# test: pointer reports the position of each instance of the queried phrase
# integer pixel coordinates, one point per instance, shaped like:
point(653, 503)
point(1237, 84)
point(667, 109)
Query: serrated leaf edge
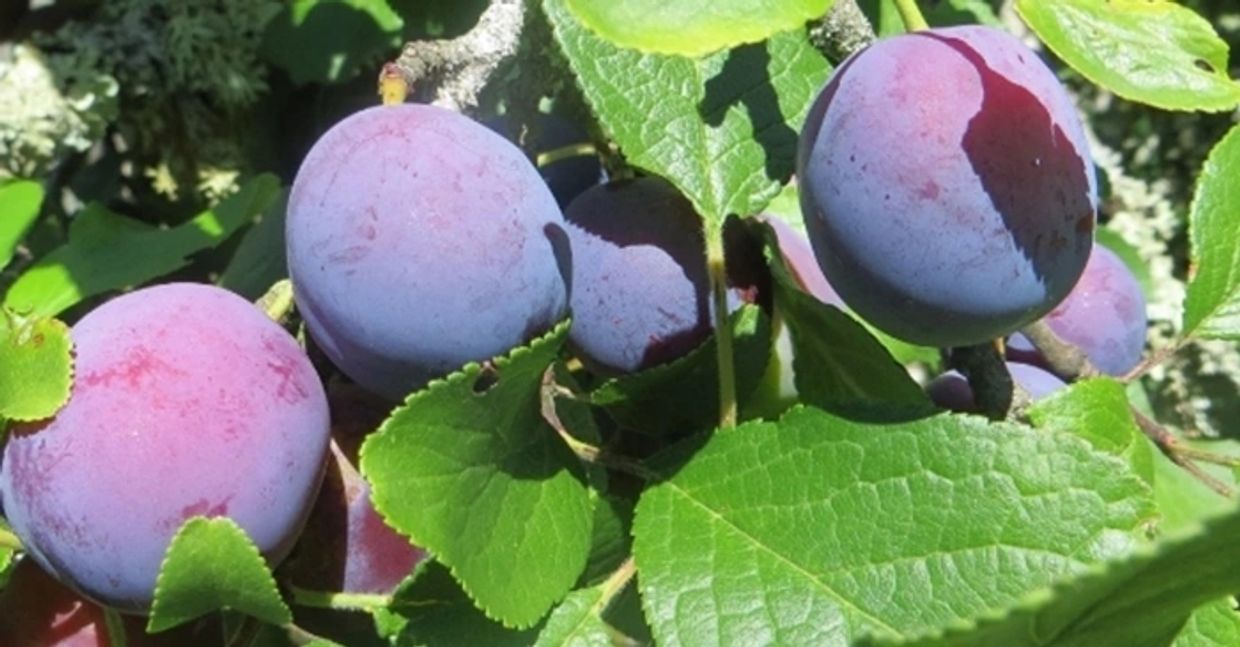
point(468, 371)
point(18, 321)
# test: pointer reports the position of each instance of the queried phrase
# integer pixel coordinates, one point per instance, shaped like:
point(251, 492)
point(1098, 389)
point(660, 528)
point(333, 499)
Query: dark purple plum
point(947, 186)
point(38, 611)
point(951, 390)
point(347, 547)
point(641, 294)
point(1104, 316)
point(187, 400)
point(418, 241)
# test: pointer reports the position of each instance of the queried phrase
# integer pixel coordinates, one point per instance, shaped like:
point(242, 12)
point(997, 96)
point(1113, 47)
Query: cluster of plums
point(946, 188)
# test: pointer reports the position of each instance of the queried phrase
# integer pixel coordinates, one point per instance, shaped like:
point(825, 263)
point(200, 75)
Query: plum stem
point(1068, 361)
point(115, 627)
point(717, 269)
point(580, 149)
point(989, 379)
point(340, 601)
point(9, 540)
point(277, 302)
point(586, 452)
point(911, 15)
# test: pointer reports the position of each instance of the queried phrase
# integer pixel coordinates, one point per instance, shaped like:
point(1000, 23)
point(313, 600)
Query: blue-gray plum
point(641, 294)
point(1104, 316)
point(418, 241)
point(947, 186)
point(951, 390)
point(187, 400)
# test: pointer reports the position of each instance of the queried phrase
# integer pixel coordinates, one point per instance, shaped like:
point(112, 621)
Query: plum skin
point(951, 390)
point(946, 186)
point(187, 400)
point(641, 294)
point(1104, 316)
point(418, 241)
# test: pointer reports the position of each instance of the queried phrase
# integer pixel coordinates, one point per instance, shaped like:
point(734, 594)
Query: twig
point(993, 389)
point(1064, 359)
point(584, 451)
point(1170, 447)
point(842, 32)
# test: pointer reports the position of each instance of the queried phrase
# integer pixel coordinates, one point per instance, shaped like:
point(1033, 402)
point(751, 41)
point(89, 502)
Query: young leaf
point(816, 528)
point(481, 481)
point(19, 206)
point(670, 399)
point(836, 362)
point(1098, 411)
point(1214, 625)
point(319, 41)
point(211, 564)
point(723, 128)
point(1150, 51)
point(431, 610)
point(107, 251)
point(260, 258)
point(693, 27)
point(1212, 305)
point(36, 366)
point(1141, 600)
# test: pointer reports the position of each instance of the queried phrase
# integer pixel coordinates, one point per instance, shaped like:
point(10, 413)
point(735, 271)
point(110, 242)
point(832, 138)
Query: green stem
point(584, 451)
point(614, 584)
point(115, 628)
point(717, 269)
point(338, 600)
point(9, 540)
point(278, 300)
point(299, 636)
point(911, 15)
point(565, 152)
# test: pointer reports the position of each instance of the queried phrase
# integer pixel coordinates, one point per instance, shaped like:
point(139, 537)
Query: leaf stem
point(115, 627)
point(299, 636)
point(614, 584)
point(586, 452)
point(565, 152)
point(10, 540)
point(717, 269)
point(911, 15)
point(338, 600)
point(277, 302)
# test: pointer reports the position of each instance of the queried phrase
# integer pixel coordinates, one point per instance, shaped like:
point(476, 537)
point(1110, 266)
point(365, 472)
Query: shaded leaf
point(1212, 304)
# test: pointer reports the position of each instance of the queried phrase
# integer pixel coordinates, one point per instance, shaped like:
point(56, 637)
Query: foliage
point(144, 141)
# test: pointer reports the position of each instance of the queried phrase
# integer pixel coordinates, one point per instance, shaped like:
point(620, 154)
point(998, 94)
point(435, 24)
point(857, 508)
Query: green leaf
point(1149, 51)
point(580, 622)
point(1140, 601)
point(1214, 625)
point(836, 362)
point(723, 128)
point(19, 206)
point(260, 258)
point(612, 539)
point(816, 528)
point(1098, 411)
point(431, 610)
point(327, 41)
point(1183, 500)
point(693, 27)
point(482, 482)
point(36, 366)
point(108, 252)
point(681, 396)
point(211, 564)
point(1212, 305)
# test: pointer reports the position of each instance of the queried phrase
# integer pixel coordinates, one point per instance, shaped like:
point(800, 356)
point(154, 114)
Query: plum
point(568, 177)
point(1104, 316)
point(947, 186)
point(187, 400)
point(641, 293)
point(418, 240)
point(799, 257)
point(951, 390)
